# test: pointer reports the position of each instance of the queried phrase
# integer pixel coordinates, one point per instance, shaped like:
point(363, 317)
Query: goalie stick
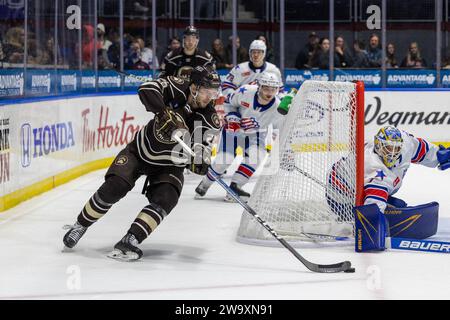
point(345, 266)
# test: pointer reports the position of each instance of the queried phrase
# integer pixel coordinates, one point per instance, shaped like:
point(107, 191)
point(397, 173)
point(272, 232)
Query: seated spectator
point(147, 53)
point(413, 59)
point(219, 55)
point(45, 55)
point(320, 58)
point(360, 59)
point(103, 61)
point(446, 61)
point(304, 56)
point(174, 43)
point(13, 48)
point(133, 60)
point(269, 51)
point(113, 52)
point(391, 61)
point(89, 48)
point(101, 37)
point(344, 57)
point(374, 52)
point(241, 52)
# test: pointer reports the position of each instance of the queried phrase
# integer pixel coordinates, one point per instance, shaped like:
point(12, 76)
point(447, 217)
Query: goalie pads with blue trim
point(418, 222)
point(370, 228)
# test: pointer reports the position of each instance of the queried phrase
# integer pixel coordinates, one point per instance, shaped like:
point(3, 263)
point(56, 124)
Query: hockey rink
point(194, 255)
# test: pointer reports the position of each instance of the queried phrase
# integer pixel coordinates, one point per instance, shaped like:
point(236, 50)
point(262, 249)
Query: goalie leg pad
point(370, 228)
point(419, 222)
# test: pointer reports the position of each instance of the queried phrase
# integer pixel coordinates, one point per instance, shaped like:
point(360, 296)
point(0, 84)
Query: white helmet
point(258, 45)
point(269, 79)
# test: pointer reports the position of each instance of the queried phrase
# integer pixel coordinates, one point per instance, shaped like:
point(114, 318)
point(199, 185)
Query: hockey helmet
point(191, 31)
point(205, 76)
point(258, 45)
point(269, 79)
point(388, 145)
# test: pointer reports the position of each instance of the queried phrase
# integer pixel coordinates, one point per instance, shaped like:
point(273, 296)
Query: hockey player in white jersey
point(250, 71)
point(248, 113)
point(386, 162)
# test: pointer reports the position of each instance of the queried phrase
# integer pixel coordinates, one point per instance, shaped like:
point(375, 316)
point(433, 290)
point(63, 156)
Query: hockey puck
point(350, 270)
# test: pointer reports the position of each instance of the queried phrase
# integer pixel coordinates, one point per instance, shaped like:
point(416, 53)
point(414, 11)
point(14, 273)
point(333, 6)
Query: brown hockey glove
point(167, 122)
point(202, 160)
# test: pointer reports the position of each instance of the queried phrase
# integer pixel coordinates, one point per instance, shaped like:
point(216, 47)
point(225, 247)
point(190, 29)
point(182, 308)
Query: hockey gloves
point(232, 122)
point(167, 122)
point(200, 163)
point(443, 156)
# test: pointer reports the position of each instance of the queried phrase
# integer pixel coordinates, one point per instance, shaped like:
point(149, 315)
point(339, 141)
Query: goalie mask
point(388, 145)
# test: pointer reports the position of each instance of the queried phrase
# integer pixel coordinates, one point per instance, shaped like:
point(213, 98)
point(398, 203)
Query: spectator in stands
point(343, 55)
point(391, 61)
point(174, 43)
point(304, 56)
point(2, 54)
point(114, 49)
point(219, 55)
point(101, 37)
point(13, 47)
point(320, 57)
point(89, 48)
point(241, 52)
point(103, 61)
point(374, 52)
point(46, 55)
point(413, 59)
point(446, 61)
point(360, 59)
point(147, 53)
point(133, 60)
point(269, 52)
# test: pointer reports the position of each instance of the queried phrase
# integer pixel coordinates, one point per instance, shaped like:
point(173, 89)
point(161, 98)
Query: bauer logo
point(25, 144)
point(42, 141)
point(425, 246)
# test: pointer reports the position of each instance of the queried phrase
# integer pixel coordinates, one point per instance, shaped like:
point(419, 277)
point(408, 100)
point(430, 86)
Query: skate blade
point(198, 197)
point(125, 257)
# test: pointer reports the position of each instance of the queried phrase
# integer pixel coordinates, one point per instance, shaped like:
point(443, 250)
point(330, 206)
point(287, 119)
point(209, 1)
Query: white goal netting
point(312, 192)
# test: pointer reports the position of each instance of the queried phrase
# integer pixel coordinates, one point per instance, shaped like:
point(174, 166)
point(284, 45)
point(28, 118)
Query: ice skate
point(241, 193)
point(126, 249)
point(74, 234)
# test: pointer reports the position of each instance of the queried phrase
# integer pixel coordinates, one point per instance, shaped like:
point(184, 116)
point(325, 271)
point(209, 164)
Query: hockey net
point(299, 200)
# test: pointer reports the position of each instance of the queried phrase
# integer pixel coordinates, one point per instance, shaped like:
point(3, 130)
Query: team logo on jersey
point(380, 174)
point(185, 72)
point(245, 104)
point(122, 160)
point(215, 120)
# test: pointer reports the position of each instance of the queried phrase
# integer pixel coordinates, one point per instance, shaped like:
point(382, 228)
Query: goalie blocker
point(372, 227)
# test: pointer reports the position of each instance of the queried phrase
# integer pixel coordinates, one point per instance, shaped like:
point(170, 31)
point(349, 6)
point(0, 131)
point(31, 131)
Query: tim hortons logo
point(107, 135)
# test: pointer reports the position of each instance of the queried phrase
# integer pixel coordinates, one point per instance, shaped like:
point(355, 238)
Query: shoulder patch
point(215, 120)
point(177, 80)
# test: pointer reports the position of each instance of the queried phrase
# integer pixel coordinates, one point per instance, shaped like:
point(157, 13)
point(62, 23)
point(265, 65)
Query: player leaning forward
point(386, 161)
point(250, 111)
point(177, 104)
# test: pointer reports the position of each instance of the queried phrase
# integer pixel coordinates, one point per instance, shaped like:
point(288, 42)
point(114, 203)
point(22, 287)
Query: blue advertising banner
point(445, 78)
point(135, 78)
point(40, 82)
point(68, 81)
point(411, 78)
point(88, 81)
point(12, 83)
point(371, 78)
point(109, 81)
point(294, 78)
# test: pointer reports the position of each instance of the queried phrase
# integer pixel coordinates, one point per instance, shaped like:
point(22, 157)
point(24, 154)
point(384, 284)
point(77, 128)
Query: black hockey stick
point(142, 79)
point(345, 266)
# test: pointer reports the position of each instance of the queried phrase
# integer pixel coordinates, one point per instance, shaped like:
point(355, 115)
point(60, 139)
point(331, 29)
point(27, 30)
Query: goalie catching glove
point(443, 156)
point(202, 159)
point(167, 122)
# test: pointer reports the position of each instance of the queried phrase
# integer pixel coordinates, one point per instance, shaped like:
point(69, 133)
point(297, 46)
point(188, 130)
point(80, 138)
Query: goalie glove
point(167, 122)
point(443, 156)
point(202, 159)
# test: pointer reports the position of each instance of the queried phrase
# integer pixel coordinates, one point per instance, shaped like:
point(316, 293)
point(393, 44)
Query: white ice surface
point(194, 255)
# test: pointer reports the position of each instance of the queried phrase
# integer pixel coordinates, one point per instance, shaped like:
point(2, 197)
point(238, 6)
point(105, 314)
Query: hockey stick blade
point(319, 268)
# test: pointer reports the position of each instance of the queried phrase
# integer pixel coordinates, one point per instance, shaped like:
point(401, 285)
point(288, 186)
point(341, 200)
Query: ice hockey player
point(387, 159)
point(180, 62)
point(178, 104)
point(250, 71)
point(248, 113)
